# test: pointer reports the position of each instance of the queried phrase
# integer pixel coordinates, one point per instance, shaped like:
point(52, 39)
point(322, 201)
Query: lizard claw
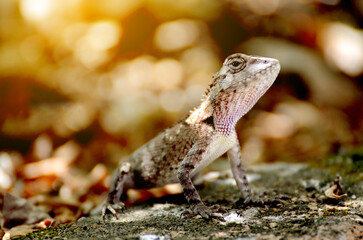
point(113, 208)
point(203, 211)
point(273, 202)
point(250, 201)
point(257, 202)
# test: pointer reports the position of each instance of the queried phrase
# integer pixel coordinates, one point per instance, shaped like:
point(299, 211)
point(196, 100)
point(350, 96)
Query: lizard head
point(238, 85)
point(241, 72)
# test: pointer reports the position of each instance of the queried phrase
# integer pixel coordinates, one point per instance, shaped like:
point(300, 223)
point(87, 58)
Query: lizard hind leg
point(121, 182)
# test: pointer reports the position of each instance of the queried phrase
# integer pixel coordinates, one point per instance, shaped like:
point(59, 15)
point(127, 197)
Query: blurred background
point(83, 83)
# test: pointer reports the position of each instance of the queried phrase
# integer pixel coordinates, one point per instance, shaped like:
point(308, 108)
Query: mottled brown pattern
point(153, 161)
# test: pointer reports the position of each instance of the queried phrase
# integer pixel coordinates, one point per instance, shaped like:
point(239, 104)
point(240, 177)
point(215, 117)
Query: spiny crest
point(206, 91)
point(209, 89)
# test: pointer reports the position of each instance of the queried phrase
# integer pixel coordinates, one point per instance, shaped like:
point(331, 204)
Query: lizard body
point(180, 152)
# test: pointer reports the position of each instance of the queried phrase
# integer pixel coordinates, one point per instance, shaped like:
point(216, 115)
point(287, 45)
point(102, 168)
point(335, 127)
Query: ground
point(305, 212)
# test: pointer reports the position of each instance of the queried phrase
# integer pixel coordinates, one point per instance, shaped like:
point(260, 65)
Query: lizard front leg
point(190, 163)
point(239, 173)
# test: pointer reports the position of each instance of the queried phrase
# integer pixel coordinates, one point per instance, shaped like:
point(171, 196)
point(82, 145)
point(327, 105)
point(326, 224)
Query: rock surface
point(303, 212)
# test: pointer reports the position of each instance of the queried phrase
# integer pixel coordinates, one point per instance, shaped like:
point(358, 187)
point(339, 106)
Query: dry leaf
point(335, 191)
point(18, 211)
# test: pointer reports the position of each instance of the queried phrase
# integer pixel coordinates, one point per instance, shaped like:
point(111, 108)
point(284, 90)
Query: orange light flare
point(135, 196)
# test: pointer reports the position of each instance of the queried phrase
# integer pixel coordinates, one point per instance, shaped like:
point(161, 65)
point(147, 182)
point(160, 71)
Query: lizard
point(180, 152)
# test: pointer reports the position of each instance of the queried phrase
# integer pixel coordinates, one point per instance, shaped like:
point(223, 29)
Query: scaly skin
point(180, 152)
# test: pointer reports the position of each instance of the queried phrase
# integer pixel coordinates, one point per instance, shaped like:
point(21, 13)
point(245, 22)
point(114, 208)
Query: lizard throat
point(226, 115)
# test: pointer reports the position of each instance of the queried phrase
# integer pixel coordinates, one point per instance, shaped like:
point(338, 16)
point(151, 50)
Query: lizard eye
point(237, 65)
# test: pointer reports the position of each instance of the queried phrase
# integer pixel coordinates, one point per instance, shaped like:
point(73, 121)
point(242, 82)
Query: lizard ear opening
point(209, 121)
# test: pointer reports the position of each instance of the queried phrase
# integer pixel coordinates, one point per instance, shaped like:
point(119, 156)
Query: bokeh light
point(36, 10)
point(176, 35)
point(343, 47)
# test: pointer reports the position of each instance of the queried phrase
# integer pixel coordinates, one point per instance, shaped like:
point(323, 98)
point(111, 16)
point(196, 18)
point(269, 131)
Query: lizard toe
point(114, 209)
point(258, 202)
point(204, 211)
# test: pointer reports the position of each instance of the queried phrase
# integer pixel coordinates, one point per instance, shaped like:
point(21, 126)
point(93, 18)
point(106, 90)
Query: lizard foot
point(204, 211)
point(114, 209)
point(258, 202)
point(217, 208)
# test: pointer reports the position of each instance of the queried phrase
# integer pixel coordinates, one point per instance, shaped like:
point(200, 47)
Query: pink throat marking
point(227, 116)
